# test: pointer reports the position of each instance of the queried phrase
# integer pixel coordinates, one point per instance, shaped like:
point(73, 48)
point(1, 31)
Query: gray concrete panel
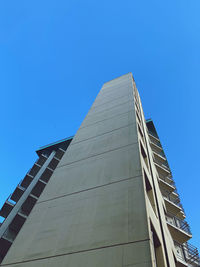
point(93, 172)
point(111, 101)
point(105, 126)
point(120, 81)
point(126, 255)
point(107, 114)
point(106, 99)
point(111, 104)
point(105, 216)
point(105, 96)
point(101, 144)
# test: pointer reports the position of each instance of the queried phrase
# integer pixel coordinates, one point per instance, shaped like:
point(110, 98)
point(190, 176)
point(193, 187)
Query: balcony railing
point(168, 180)
point(162, 165)
point(187, 253)
point(153, 134)
point(158, 151)
point(7, 207)
point(181, 224)
point(160, 155)
point(155, 142)
point(170, 197)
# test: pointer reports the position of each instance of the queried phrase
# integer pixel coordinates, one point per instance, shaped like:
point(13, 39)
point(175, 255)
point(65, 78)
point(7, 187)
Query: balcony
point(179, 229)
point(187, 255)
point(9, 235)
point(167, 184)
point(167, 179)
point(38, 188)
point(16, 195)
point(7, 207)
point(46, 175)
point(28, 205)
point(172, 203)
point(160, 157)
point(53, 164)
point(27, 180)
point(162, 164)
point(155, 146)
point(4, 247)
point(17, 222)
point(158, 150)
point(59, 153)
point(154, 140)
point(41, 159)
point(153, 135)
point(34, 170)
point(162, 169)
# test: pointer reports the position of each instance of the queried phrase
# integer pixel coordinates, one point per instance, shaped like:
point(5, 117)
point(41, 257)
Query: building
point(109, 198)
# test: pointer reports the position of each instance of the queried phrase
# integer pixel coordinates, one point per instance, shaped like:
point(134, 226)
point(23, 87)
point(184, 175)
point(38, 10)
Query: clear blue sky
point(56, 54)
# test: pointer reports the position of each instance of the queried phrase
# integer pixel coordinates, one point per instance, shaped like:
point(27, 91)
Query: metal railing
point(168, 180)
point(162, 165)
point(181, 224)
point(158, 153)
point(168, 195)
point(153, 134)
point(10, 201)
point(187, 253)
point(155, 143)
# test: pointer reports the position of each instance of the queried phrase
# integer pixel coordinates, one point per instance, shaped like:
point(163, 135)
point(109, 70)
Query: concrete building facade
point(105, 197)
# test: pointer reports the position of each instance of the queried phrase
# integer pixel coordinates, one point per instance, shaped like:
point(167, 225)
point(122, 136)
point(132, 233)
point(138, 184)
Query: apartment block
point(105, 197)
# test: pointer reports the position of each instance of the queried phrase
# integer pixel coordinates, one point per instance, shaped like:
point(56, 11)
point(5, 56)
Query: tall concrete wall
point(92, 213)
